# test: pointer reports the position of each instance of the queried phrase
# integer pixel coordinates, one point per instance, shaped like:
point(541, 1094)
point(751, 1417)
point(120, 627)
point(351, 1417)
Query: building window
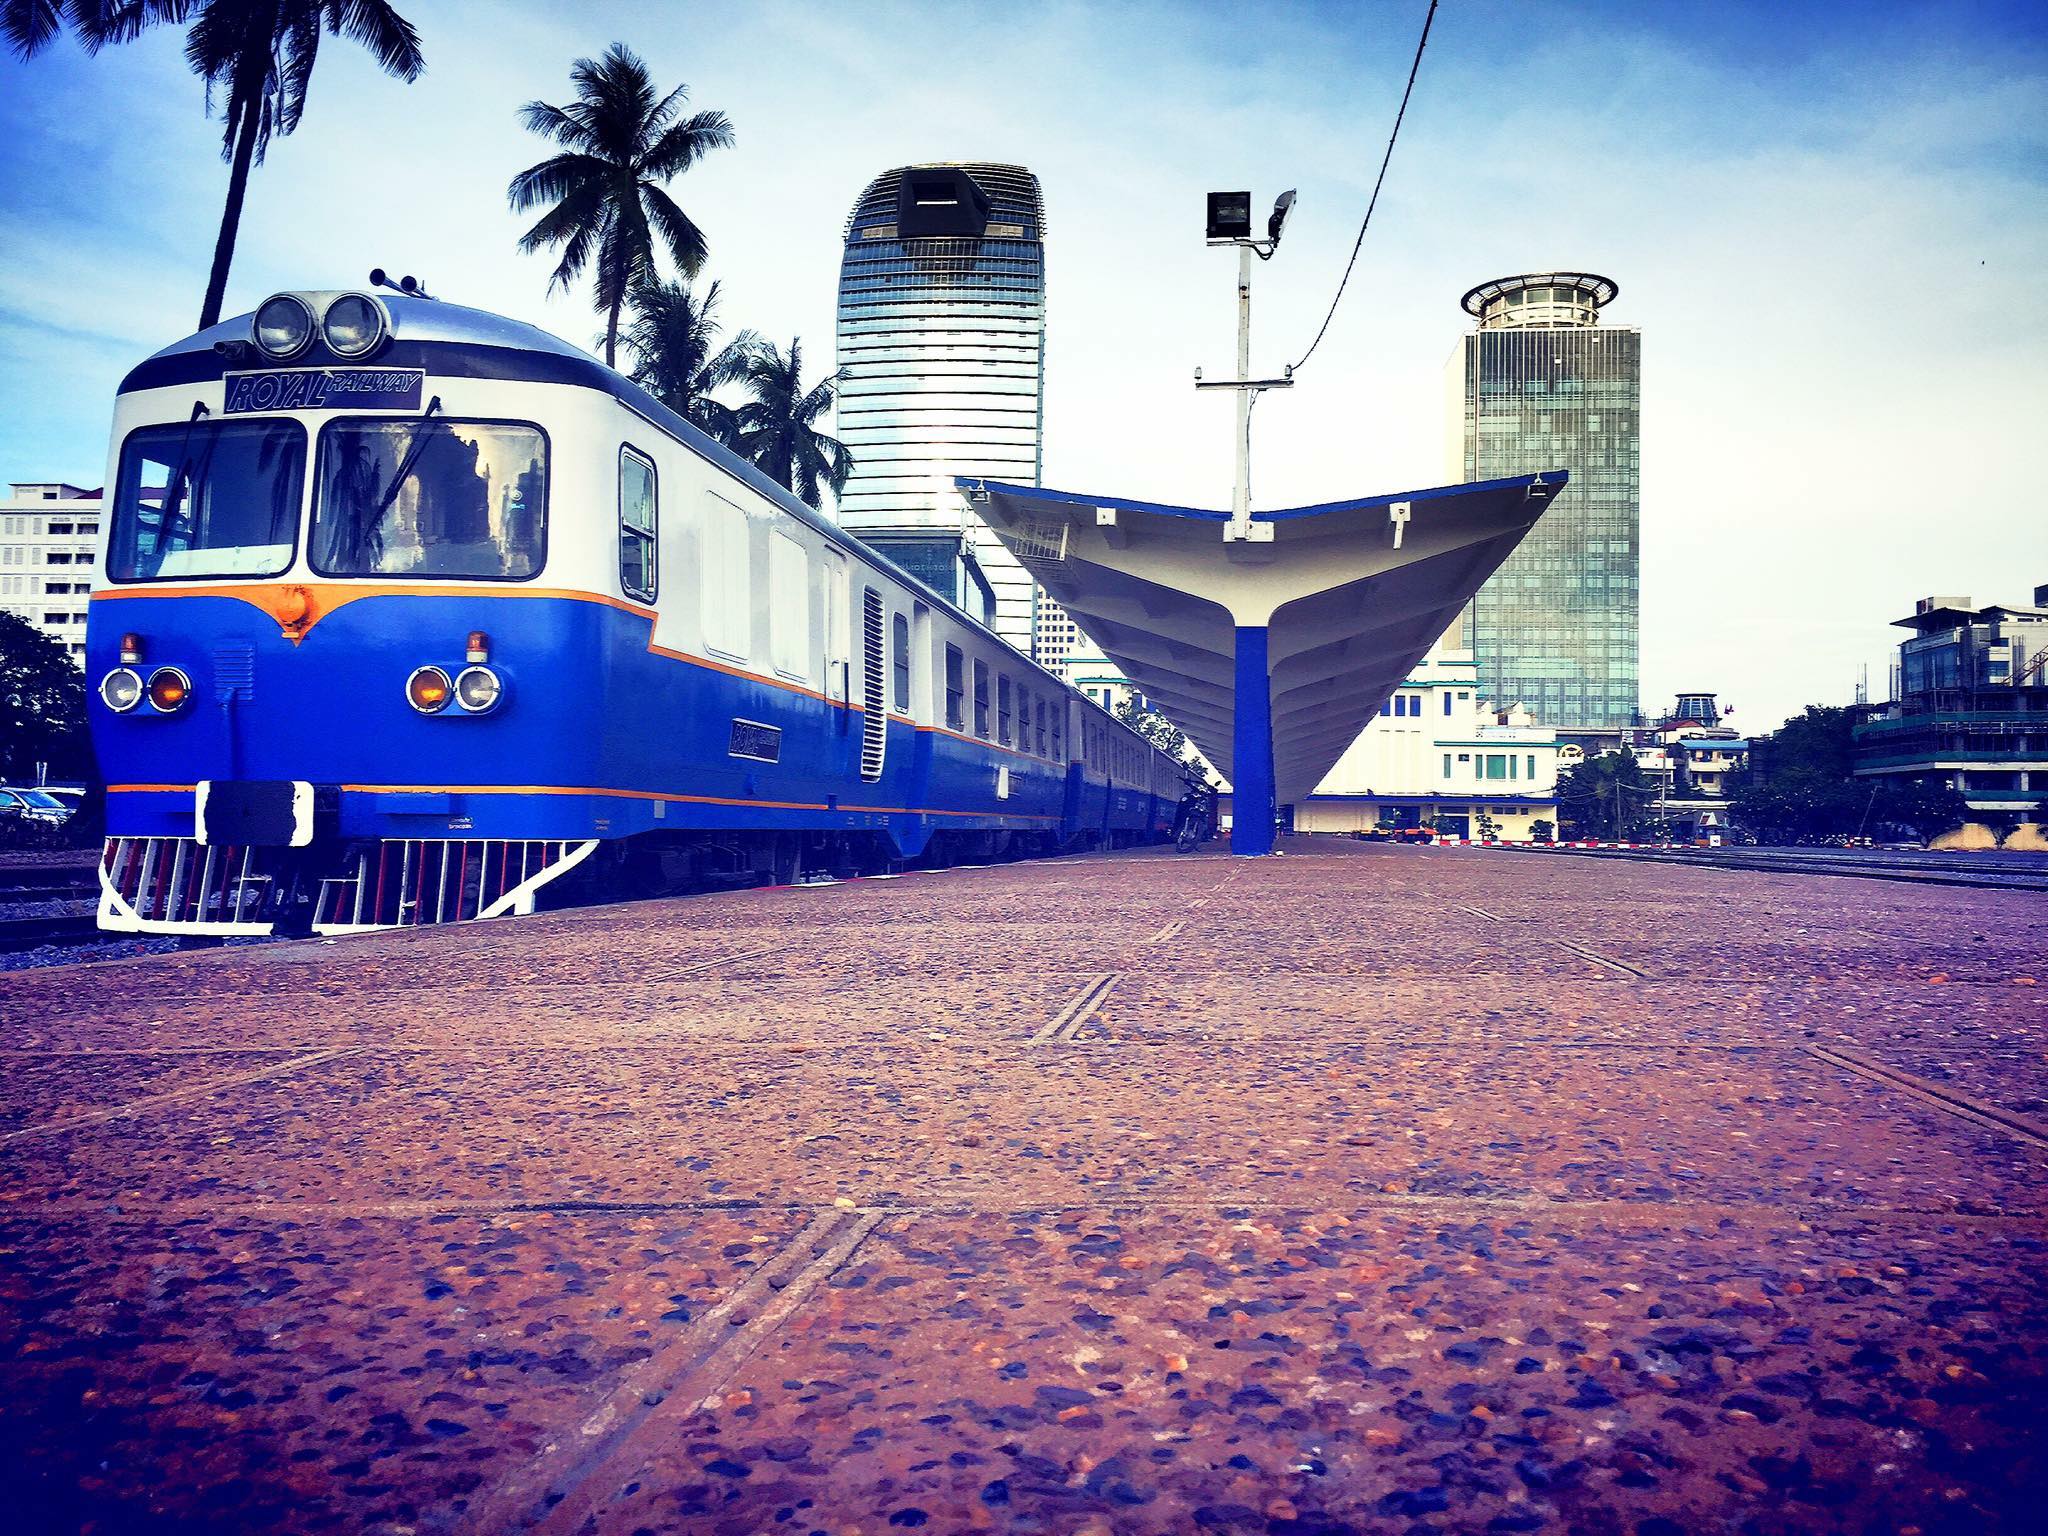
point(899, 637)
point(636, 526)
point(1532, 765)
point(956, 688)
point(1447, 765)
point(1447, 701)
point(981, 699)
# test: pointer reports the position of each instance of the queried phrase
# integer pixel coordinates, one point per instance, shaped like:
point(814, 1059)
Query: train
point(410, 613)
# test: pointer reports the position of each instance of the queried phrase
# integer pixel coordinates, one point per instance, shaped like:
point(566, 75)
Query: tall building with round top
point(1540, 383)
point(942, 370)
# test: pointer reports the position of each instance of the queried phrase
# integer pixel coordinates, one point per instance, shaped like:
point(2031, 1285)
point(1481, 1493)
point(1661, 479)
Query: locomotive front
point(323, 663)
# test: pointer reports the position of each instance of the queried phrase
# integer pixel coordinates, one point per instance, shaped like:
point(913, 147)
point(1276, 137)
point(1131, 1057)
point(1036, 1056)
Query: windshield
point(207, 498)
point(37, 798)
point(428, 497)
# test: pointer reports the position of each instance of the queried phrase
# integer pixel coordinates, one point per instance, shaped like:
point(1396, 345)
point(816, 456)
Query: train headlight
point(428, 690)
point(353, 326)
point(121, 689)
point(168, 690)
point(284, 326)
point(478, 689)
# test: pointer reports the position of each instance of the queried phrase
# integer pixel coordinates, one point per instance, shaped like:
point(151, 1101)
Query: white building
point(48, 534)
point(1439, 756)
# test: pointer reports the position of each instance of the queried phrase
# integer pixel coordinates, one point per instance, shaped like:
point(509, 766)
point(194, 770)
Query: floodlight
point(1230, 215)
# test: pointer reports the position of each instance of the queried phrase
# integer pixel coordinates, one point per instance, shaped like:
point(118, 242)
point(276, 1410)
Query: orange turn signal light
point(131, 649)
point(168, 690)
point(479, 647)
point(428, 690)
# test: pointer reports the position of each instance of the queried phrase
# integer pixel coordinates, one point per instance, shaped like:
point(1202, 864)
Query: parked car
point(34, 805)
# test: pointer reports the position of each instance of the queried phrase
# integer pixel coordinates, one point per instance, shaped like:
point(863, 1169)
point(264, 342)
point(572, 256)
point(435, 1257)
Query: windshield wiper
point(414, 446)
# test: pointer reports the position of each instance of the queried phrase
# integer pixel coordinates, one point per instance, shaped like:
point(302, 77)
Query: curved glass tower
point(942, 370)
point(1540, 383)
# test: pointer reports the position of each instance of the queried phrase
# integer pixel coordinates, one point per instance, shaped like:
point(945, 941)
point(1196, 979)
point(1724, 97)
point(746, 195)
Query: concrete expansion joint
point(575, 1478)
point(1069, 1021)
point(176, 1096)
point(1935, 1095)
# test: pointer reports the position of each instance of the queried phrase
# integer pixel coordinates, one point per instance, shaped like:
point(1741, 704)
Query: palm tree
point(620, 143)
point(775, 427)
point(258, 53)
point(674, 341)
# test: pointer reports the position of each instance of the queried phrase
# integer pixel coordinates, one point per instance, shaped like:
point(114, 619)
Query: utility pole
point(1230, 223)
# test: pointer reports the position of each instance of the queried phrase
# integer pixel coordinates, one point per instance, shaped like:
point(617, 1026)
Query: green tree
point(1541, 830)
point(674, 341)
point(1154, 727)
point(1602, 797)
point(621, 142)
point(777, 428)
point(42, 707)
point(257, 55)
point(1801, 787)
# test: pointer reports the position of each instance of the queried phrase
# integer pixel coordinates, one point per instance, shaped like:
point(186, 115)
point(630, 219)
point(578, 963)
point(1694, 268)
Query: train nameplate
point(325, 389)
point(750, 738)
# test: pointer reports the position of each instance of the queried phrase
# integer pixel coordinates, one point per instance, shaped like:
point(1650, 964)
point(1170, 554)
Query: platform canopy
point(1271, 652)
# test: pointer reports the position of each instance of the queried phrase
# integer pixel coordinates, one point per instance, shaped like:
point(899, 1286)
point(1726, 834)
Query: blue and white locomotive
point(405, 611)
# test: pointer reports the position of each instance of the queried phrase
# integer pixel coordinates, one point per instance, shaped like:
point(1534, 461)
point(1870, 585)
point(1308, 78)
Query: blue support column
point(1251, 780)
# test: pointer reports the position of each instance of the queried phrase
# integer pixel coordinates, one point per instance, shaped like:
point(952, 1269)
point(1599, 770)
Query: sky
point(1827, 220)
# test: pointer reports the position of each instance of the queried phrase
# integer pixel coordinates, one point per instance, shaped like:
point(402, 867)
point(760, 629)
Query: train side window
point(728, 579)
point(1003, 710)
point(956, 689)
point(1023, 718)
point(789, 605)
point(899, 659)
point(1041, 727)
point(1059, 729)
point(637, 524)
point(981, 699)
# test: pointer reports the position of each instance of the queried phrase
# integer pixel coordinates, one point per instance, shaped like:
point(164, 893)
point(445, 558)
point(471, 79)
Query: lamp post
point(1230, 223)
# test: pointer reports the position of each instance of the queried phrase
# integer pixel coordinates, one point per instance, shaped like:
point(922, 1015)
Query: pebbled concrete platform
point(1362, 1189)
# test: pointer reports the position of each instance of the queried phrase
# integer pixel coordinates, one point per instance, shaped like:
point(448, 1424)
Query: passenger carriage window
point(956, 689)
point(1041, 727)
point(1003, 710)
point(981, 698)
point(636, 526)
point(205, 498)
point(727, 564)
point(789, 605)
point(425, 496)
point(899, 640)
point(1059, 726)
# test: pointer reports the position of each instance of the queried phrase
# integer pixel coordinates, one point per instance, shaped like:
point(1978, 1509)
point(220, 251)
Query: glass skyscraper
point(1540, 384)
point(942, 370)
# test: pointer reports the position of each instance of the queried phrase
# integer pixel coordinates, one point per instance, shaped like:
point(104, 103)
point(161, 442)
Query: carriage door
point(874, 674)
point(838, 664)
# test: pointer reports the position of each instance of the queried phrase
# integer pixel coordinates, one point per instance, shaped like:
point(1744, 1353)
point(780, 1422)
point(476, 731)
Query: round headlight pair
point(168, 690)
point(285, 326)
point(475, 689)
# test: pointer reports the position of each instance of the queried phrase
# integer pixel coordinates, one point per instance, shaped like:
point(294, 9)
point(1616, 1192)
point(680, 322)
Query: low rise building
point(1969, 705)
point(1440, 757)
point(1693, 761)
point(49, 532)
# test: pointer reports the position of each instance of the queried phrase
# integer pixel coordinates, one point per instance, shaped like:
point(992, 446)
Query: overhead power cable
point(1373, 203)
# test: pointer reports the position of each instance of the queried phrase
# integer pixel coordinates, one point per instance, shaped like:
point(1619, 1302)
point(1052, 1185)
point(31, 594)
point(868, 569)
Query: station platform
point(1363, 1188)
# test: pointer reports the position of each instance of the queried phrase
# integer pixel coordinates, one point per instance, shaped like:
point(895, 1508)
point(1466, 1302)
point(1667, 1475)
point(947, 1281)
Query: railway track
point(2030, 873)
point(17, 933)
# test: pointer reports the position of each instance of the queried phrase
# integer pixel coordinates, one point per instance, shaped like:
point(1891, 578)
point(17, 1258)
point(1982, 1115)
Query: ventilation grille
point(874, 723)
